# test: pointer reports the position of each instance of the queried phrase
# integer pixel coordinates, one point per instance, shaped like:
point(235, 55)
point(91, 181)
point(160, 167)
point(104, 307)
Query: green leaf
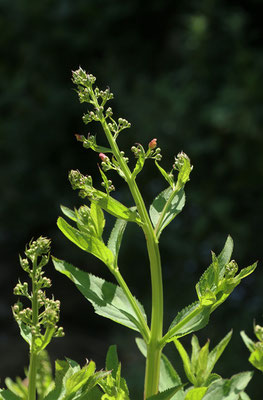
point(86, 242)
point(98, 219)
point(166, 395)
point(186, 362)
point(115, 208)
point(140, 162)
point(112, 361)
point(225, 255)
point(115, 238)
point(69, 213)
point(195, 352)
point(167, 177)
point(210, 278)
point(8, 395)
point(228, 389)
point(248, 342)
point(256, 357)
point(165, 207)
point(18, 388)
point(196, 393)
point(188, 320)
point(169, 378)
point(200, 372)
point(246, 271)
point(182, 163)
point(107, 299)
point(243, 396)
point(141, 346)
point(79, 378)
point(25, 332)
point(215, 354)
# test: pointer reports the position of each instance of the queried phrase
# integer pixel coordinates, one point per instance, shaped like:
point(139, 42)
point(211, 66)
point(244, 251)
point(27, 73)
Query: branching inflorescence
point(117, 302)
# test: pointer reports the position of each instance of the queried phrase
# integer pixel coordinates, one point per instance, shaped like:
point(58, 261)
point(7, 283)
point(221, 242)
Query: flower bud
point(153, 144)
point(103, 157)
point(80, 138)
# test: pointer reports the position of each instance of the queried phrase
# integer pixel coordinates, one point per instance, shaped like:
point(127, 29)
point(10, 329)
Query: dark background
point(187, 73)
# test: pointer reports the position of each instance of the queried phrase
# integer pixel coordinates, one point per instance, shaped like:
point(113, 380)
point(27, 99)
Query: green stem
point(33, 356)
point(32, 376)
point(153, 347)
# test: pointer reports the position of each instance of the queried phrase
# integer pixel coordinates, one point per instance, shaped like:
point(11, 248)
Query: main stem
point(33, 356)
point(154, 349)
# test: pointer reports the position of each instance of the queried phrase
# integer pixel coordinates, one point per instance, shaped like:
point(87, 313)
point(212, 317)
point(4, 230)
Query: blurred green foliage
point(187, 73)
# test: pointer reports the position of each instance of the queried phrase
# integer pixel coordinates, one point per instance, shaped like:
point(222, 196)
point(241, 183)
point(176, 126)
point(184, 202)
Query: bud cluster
point(180, 160)
point(80, 77)
point(98, 98)
point(153, 151)
point(44, 312)
point(89, 117)
point(79, 181)
point(86, 222)
point(231, 269)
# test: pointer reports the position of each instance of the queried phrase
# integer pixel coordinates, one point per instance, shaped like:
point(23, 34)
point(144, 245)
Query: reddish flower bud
point(103, 157)
point(79, 137)
point(153, 144)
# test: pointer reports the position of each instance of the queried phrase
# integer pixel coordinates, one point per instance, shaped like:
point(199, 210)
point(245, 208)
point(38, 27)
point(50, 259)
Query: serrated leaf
point(165, 395)
point(165, 207)
point(115, 238)
point(228, 389)
point(169, 378)
point(86, 242)
point(188, 320)
point(107, 299)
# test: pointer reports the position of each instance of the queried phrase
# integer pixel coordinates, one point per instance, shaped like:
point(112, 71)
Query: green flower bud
point(231, 269)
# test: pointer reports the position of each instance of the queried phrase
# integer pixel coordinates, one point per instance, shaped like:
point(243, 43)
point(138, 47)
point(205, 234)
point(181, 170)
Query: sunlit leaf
point(86, 242)
point(165, 395)
point(165, 207)
point(228, 388)
point(115, 238)
point(188, 320)
point(107, 299)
